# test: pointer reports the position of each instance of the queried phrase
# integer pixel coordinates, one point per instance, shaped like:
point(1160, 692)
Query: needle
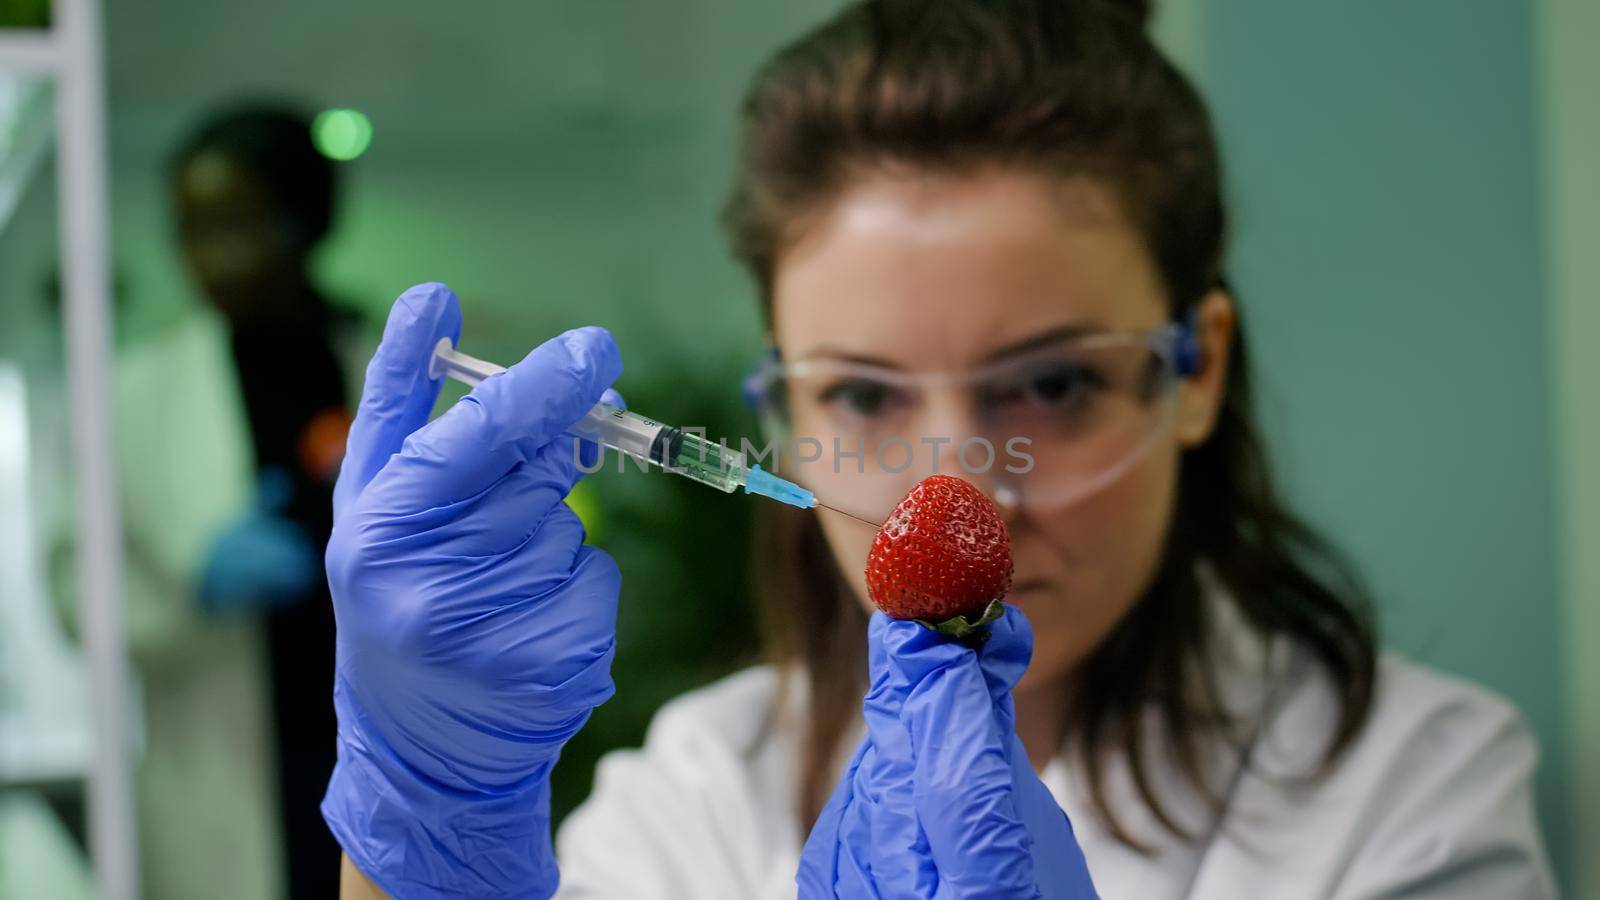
point(841, 512)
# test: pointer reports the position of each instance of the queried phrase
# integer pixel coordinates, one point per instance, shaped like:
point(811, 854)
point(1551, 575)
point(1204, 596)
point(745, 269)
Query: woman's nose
point(946, 427)
point(959, 447)
point(976, 454)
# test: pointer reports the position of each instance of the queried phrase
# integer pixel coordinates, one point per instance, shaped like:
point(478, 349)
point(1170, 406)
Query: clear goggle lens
point(1040, 431)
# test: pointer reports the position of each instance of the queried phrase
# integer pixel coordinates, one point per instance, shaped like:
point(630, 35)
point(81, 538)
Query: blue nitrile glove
point(475, 628)
point(940, 800)
point(262, 560)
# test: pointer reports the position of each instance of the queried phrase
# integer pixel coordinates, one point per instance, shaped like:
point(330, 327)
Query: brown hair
point(1072, 88)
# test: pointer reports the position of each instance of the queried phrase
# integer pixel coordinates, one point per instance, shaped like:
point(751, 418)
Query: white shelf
point(70, 54)
point(29, 50)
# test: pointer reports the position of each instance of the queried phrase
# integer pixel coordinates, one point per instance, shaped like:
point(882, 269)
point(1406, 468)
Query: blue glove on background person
point(264, 559)
point(476, 630)
point(940, 799)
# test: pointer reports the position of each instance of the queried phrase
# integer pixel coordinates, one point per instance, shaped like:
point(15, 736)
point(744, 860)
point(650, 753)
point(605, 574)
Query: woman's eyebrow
point(826, 352)
point(1042, 339)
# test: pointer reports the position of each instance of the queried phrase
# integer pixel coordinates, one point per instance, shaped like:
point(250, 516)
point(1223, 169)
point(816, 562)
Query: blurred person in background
point(231, 423)
point(253, 199)
point(961, 215)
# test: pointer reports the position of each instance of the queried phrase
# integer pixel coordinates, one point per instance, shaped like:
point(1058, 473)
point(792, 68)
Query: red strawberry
point(942, 553)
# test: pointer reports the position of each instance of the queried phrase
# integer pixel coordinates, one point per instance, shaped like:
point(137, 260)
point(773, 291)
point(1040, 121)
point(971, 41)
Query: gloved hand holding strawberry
point(940, 800)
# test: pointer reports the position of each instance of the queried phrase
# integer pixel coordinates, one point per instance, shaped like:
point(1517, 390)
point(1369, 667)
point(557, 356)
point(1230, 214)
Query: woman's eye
point(859, 397)
point(1058, 386)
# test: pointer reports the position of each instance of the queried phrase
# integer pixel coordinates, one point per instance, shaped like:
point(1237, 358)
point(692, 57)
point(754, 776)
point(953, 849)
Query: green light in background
point(341, 134)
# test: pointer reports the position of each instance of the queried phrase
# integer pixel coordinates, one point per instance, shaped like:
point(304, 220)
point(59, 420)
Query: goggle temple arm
point(1188, 357)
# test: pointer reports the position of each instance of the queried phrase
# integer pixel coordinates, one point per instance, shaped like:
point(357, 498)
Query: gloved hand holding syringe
point(477, 624)
point(675, 450)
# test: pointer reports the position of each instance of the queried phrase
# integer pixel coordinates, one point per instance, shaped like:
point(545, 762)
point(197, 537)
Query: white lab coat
point(207, 806)
point(1433, 799)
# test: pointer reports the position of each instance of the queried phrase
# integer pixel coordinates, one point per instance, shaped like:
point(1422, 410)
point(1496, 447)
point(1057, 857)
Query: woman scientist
point(997, 218)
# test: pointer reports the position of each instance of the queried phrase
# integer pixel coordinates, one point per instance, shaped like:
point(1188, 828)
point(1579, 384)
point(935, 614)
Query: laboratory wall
point(1568, 33)
point(1384, 162)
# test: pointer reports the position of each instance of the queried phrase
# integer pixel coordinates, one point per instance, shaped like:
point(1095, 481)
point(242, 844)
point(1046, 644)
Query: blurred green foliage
point(685, 616)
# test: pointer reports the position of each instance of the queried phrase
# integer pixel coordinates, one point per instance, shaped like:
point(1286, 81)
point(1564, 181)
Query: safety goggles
point(1039, 429)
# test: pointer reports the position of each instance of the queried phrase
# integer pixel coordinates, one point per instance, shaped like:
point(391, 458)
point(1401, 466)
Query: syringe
point(645, 439)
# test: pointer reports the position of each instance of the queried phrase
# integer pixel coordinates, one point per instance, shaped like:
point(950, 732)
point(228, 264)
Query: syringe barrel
point(673, 449)
point(623, 431)
point(626, 432)
point(710, 464)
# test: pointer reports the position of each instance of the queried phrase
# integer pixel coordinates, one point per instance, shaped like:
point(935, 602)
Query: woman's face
point(942, 273)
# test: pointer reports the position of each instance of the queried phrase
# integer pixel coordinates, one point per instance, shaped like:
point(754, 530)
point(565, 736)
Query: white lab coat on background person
point(1433, 798)
point(206, 801)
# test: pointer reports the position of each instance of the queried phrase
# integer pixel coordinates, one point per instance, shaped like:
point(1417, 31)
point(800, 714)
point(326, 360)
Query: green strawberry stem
point(968, 631)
